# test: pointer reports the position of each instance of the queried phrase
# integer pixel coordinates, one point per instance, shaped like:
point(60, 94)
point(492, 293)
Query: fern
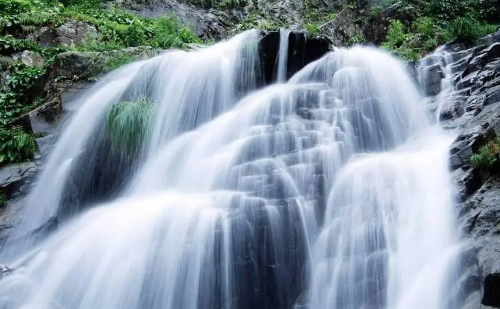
point(16, 145)
point(486, 157)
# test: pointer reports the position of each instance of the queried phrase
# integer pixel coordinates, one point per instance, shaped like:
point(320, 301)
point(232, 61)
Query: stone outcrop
point(473, 107)
point(70, 34)
point(301, 51)
point(206, 23)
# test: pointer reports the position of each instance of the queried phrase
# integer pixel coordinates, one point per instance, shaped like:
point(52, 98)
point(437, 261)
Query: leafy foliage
point(486, 157)
point(312, 29)
point(21, 79)
point(16, 145)
point(357, 39)
point(428, 24)
point(9, 45)
point(128, 124)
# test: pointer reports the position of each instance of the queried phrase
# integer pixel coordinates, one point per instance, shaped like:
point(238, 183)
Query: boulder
point(206, 23)
point(340, 29)
point(77, 66)
point(14, 177)
point(30, 58)
point(70, 34)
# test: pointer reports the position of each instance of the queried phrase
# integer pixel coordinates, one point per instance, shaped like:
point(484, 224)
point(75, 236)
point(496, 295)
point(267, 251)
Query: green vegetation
point(487, 156)
point(258, 20)
point(116, 62)
point(127, 125)
point(16, 145)
point(224, 4)
point(3, 200)
point(421, 26)
point(357, 39)
point(110, 28)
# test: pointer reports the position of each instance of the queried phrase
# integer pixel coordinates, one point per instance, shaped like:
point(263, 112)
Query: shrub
point(468, 29)
point(396, 35)
point(13, 7)
point(312, 29)
point(357, 39)
point(16, 145)
point(486, 157)
point(128, 124)
point(168, 32)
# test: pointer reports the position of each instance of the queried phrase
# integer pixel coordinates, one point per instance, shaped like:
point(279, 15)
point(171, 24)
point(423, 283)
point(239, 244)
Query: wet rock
point(13, 176)
point(30, 58)
point(90, 65)
point(490, 39)
point(492, 95)
point(435, 75)
point(478, 191)
point(342, 28)
point(302, 50)
point(491, 295)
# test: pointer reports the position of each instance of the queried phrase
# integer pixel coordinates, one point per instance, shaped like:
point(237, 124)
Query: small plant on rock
point(16, 145)
point(128, 125)
point(487, 156)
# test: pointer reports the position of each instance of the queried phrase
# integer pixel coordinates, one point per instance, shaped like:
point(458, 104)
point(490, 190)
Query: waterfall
point(437, 70)
point(283, 55)
point(189, 88)
point(328, 191)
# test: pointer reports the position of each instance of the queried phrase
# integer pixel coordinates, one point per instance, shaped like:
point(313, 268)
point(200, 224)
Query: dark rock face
point(474, 106)
point(16, 177)
point(302, 50)
point(206, 23)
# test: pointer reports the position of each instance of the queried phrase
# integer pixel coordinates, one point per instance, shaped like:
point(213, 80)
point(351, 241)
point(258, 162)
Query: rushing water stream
point(330, 190)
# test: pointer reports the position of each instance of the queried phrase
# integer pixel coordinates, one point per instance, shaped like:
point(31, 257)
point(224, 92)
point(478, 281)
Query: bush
point(16, 145)
point(398, 40)
point(396, 36)
point(312, 29)
point(13, 7)
point(486, 157)
point(357, 39)
point(468, 29)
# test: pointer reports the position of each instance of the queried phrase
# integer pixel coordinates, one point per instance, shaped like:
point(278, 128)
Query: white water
point(332, 188)
point(194, 86)
point(283, 55)
point(444, 60)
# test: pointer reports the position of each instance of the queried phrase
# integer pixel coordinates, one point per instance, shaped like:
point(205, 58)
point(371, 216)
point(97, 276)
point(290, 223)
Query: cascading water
point(189, 88)
point(329, 191)
point(437, 70)
point(283, 55)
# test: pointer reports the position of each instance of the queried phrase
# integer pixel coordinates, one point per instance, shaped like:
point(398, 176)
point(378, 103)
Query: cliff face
point(472, 107)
